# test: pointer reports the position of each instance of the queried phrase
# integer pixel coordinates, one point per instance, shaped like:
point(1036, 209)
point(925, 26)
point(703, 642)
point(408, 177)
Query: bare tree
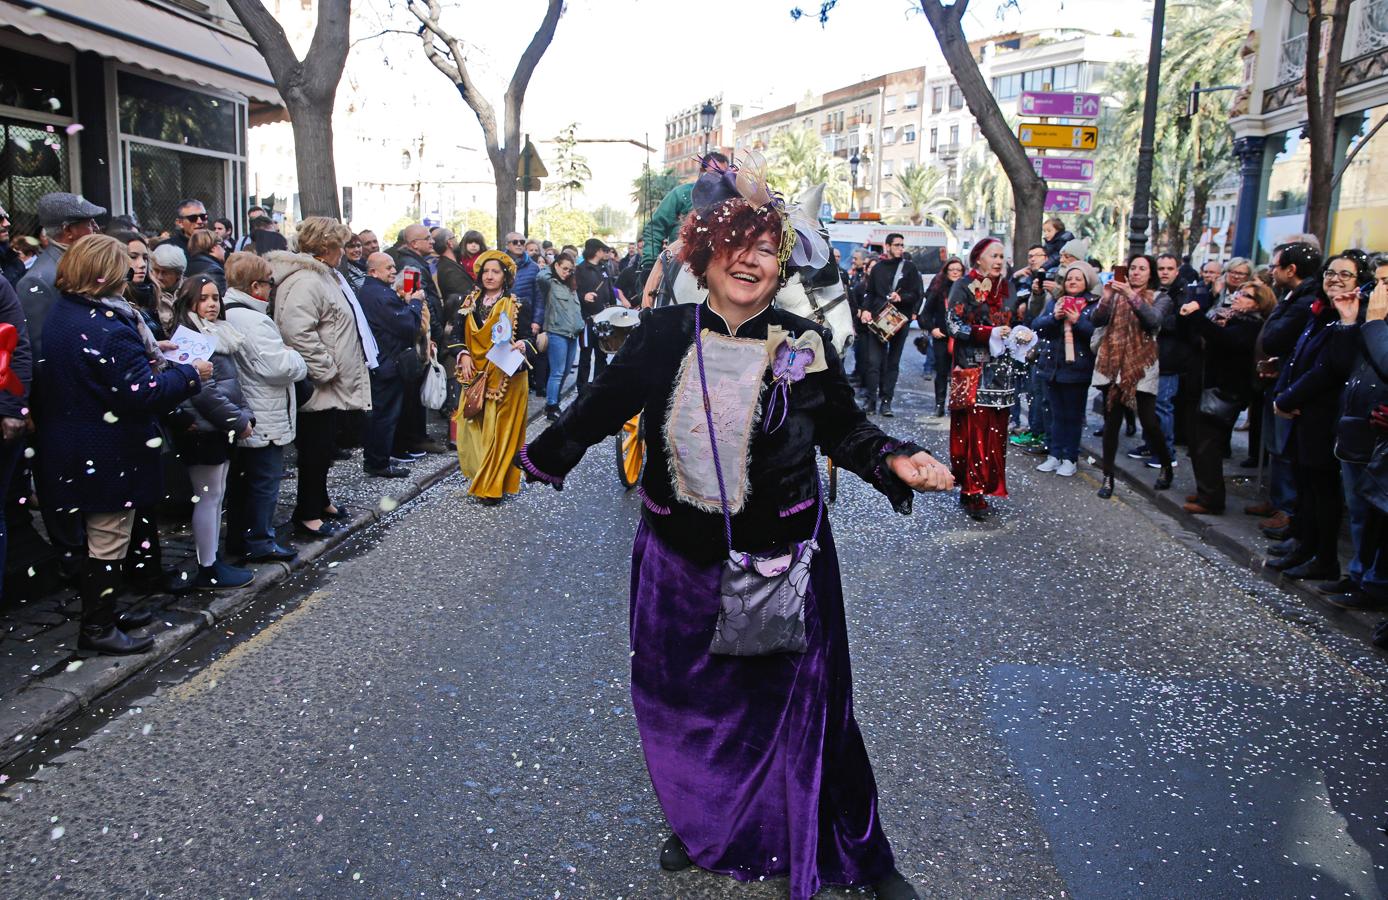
point(446, 52)
point(309, 89)
point(1322, 87)
point(1028, 188)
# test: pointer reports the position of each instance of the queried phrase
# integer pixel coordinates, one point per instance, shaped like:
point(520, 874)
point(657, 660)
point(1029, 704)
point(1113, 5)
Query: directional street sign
point(1058, 137)
point(1070, 106)
point(1063, 168)
point(1069, 201)
point(530, 163)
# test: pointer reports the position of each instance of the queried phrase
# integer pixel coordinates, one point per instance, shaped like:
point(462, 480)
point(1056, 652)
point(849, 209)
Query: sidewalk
point(43, 679)
point(1234, 533)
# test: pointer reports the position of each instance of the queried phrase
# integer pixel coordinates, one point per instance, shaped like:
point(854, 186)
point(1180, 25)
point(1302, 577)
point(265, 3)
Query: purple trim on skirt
point(757, 761)
point(798, 508)
point(534, 471)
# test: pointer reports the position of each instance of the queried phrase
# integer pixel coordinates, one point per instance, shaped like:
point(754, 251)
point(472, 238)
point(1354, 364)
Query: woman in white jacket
point(268, 370)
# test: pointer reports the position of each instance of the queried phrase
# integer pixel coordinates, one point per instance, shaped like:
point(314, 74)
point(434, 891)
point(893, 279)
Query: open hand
point(465, 366)
point(922, 472)
point(1347, 305)
point(1378, 303)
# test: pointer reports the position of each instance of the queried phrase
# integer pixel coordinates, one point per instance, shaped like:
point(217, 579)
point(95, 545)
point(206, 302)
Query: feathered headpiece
point(802, 243)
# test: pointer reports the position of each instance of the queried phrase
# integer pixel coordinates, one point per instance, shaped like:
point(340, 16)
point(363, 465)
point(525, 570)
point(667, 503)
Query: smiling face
point(992, 260)
point(492, 277)
point(1075, 283)
point(745, 278)
point(209, 302)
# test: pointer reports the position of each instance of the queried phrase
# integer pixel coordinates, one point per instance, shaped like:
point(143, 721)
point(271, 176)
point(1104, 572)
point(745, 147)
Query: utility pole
point(1142, 196)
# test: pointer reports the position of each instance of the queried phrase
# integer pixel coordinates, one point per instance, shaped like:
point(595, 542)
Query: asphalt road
point(1072, 699)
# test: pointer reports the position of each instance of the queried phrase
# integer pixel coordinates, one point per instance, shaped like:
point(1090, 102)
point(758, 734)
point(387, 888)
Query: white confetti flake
point(73, 666)
point(57, 832)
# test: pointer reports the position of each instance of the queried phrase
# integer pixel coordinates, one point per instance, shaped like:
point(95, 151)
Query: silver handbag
point(761, 600)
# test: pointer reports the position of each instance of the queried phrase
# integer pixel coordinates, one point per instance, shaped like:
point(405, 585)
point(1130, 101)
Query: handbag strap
point(713, 444)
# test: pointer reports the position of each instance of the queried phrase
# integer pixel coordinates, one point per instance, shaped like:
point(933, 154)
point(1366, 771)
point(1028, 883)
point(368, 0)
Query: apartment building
point(685, 136)
point(134, 103)
point(1269, 112)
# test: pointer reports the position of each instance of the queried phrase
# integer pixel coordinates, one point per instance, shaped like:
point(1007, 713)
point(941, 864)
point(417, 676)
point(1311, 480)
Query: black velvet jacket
point(780, 507)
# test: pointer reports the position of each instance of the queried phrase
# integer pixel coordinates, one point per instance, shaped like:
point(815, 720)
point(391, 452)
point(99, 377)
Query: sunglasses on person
point(522, 243)
point(195, 217)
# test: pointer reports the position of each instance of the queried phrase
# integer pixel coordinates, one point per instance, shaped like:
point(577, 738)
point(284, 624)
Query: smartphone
point(1120, 274)
point(411, 282)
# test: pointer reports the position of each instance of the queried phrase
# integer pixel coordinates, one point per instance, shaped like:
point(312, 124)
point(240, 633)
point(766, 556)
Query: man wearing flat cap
point(64, 218)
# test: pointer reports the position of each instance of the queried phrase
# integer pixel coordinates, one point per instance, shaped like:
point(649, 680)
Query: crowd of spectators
point(106, 402)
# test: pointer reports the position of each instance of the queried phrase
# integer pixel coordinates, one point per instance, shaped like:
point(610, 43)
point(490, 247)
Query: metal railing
point(1373, 26)
point(1292, 63)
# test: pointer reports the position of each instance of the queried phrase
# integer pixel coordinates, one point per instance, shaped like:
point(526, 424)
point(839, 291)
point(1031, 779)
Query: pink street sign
point(1063, 168)
point(1069, 201)
point(1047, 103)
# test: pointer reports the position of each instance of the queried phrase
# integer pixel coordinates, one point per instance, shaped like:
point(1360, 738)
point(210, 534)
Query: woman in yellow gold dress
point(489, 441)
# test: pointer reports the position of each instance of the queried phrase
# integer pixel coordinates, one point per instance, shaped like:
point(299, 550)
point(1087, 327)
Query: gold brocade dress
point(488, 443)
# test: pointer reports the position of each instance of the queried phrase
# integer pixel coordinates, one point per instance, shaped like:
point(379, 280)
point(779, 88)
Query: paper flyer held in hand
point(192, 345)
point(503, 355)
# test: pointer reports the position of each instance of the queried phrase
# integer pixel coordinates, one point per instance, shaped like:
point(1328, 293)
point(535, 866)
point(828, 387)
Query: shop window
point(1357, 219)
point(35, 83)
point(164, 112)
point(161, 177)
point(33, 162)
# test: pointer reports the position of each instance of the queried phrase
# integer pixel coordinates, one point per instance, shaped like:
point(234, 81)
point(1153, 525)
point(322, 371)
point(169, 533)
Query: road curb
point(1207, 528)
point(44, 704)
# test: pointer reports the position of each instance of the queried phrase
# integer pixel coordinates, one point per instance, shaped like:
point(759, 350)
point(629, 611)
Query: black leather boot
point(1106, 489)
point(673, 855)
point(100, 581)
point(1164, 479)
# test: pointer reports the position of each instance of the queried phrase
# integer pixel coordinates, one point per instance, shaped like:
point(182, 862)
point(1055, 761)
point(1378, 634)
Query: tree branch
point(327, 52)
point(515, 92)
point(269, 36)
point(454, 67)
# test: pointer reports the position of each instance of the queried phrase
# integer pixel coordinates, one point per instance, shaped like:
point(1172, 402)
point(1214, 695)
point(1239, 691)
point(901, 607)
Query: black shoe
point(1098, 432)
point(342, 514)
point(111, 640)
point(1277, 534)
point(551, 412)
point(673, 855)
point(1285, 548)
point(342, 455)
point(939, 410)
point(887, 409)
point(1130, 430)
point(325, 530)
point(1106, 490)
point(390, 471)
point(171, 581)
point(275, 554)
point(1282, 563)
point(869, 407)
point(1313, 570)
point(895, 887)
point(1341, 585)
point(1140, 452)
point(1358, 600)
point(132, 618)
point(1164, 479)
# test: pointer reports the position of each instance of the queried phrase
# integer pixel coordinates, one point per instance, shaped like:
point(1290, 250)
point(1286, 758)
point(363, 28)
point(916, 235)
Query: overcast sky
point(619, 67)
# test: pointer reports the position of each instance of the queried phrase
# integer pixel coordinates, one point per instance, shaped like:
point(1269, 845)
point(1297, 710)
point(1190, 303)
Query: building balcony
point(855, 121)
point(947, 151)
point(826, 128)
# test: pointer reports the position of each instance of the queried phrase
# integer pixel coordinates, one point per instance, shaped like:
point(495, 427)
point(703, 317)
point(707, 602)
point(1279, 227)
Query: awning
point(151, 37)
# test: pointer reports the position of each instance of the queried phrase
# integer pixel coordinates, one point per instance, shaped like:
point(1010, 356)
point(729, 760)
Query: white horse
point(824, 304)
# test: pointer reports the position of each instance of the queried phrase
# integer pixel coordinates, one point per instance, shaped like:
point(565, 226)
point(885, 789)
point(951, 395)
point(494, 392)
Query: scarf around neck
point(1126, 353)
point(989, 294)
point(122, 307)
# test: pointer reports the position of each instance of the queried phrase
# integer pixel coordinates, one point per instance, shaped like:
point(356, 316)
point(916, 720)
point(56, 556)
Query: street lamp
point(706, 115)
point(853, 162)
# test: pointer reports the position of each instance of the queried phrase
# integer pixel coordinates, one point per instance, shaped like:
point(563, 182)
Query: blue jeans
point(1281, 485)
point(1039, 412)
point(561, 352)
point(1066, 407)
point(251, 504)
point(387, 402)
point(1368, 566)
point(1167, 385)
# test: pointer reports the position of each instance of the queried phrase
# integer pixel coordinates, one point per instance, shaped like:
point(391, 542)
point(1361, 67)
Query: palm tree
point(797, 161)
point(919, 191)
point(985, 194)
point(649, 188)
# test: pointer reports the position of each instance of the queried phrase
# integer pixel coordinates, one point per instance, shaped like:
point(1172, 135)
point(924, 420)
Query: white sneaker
point(1049, 465)
point(1067, 469)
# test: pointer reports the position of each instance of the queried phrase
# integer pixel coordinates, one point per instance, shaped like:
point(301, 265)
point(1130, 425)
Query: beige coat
point(316, 320)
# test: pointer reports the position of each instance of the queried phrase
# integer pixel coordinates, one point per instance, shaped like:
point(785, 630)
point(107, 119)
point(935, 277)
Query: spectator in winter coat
point(64, 218)
point(97, 421)
point(395, 320)
point(1226, 384)
point(595, 294)
point(412, 436)
point(316, 320)
point(268, 370)
point(205, 255)
point(1307, 394)
point(933, 322)
point(1067, 323)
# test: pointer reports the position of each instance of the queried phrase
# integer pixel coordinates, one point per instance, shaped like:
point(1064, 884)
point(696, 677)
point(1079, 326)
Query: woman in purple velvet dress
point(756, 759)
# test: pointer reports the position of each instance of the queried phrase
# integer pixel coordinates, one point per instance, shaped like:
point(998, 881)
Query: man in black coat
point(594, 295)
point(395, 321)
point(416, 244)
point(893, 280)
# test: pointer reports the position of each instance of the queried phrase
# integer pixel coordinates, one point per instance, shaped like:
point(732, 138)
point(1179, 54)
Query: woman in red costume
point(982, 386)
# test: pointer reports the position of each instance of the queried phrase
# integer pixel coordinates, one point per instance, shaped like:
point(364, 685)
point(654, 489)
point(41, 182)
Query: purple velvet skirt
point(757, 761)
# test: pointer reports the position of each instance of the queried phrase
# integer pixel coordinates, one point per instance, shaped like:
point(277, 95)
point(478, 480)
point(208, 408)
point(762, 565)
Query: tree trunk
point(1028, 188)
point(504, 164)
point(1322, 86)
point(313, 157)
point(1200, 204)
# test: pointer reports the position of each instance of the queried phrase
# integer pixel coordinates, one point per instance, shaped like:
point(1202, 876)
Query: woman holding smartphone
point(1125, 369)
